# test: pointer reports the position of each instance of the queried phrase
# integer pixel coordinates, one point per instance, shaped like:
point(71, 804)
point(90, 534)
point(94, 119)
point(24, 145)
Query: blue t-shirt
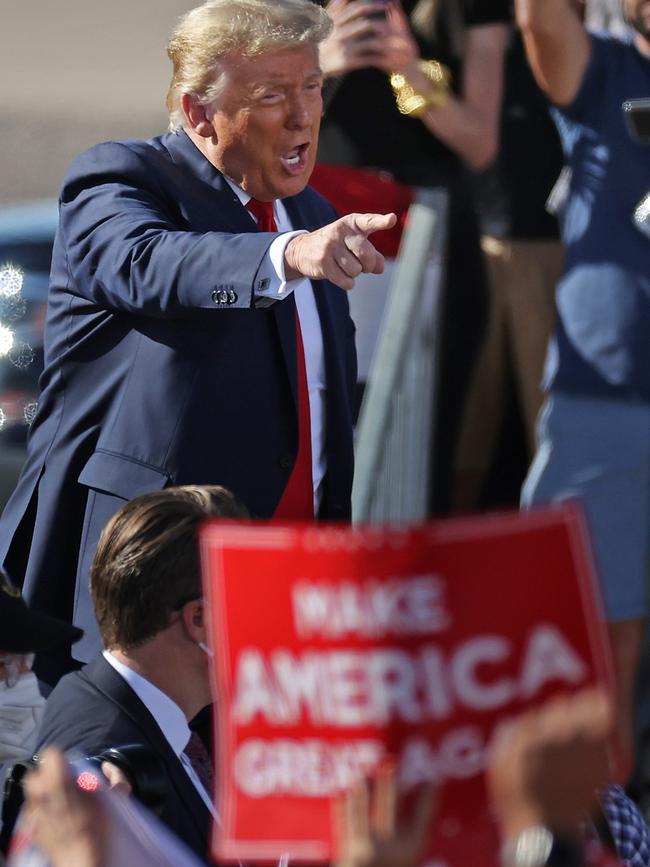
point(602, 342)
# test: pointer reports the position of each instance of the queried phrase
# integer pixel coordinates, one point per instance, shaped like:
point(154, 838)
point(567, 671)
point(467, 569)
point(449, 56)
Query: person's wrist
point(518, 816)
point(539, 846)
point(291, 251)
point(413, 73)
point(515, 820)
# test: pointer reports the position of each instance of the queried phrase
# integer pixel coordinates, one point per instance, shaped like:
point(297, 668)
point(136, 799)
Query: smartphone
point(637, 118)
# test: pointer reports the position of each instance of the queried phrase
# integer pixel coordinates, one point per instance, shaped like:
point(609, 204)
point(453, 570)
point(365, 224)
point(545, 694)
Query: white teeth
point(293, 160)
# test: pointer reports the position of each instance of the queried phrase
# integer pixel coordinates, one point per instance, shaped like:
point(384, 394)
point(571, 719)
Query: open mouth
point(296, 159)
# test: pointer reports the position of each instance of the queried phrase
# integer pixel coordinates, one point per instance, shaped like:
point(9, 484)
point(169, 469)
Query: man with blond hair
point(197, 331)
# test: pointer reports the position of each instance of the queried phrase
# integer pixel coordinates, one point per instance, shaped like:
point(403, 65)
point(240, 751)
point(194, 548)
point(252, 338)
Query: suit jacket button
point(287, 462)
point(220, 296)
point(232, 297)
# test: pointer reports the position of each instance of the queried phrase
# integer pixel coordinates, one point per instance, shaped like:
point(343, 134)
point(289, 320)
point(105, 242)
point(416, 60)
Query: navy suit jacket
point(93, 709)
point(159, 370)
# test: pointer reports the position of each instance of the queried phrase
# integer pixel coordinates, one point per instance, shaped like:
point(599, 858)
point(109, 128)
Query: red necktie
point(200, 760)
point(297, 501)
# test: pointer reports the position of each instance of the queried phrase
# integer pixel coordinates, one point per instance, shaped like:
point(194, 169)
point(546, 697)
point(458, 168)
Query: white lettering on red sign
point(316, 768)
point(410, 606)
point(354, 688)
point(311, 767)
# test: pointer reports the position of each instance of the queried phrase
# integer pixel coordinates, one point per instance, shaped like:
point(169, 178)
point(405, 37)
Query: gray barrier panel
point(395, 430)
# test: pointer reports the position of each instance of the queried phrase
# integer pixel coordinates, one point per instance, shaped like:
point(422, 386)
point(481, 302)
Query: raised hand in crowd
point(367, 33)
point(66, 823)
point(73, 827)
point(401, 50)
point(368, 832)
point(546, 767)
point(358, 37)
point(374, 34)
point(557, 45)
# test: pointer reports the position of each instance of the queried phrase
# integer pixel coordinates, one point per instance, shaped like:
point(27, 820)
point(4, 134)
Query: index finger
point(369, 223)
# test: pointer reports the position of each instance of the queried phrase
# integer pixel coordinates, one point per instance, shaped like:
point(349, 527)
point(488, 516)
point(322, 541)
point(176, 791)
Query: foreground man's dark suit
point(95, 708)
point(159, 371)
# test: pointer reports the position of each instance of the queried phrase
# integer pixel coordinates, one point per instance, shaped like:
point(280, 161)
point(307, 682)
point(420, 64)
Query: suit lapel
point(105, 679)
point(184, 153)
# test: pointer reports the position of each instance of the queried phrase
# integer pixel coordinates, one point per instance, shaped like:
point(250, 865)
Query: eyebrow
point(280, 82)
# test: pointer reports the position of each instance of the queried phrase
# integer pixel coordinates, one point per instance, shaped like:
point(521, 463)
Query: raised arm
point(557, 46)
point(468, 123)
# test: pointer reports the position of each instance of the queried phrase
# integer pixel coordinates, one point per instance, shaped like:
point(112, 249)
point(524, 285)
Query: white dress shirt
point(170, 718)
point(273, 285)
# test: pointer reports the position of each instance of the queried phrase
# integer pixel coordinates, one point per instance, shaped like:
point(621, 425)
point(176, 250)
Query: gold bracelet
point(414, 104)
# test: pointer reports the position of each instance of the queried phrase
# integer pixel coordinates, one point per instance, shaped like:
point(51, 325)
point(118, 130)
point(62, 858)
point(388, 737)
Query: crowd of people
point(199, 343)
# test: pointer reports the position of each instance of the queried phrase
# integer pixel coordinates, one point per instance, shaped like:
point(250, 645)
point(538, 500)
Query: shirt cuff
point(271, 283)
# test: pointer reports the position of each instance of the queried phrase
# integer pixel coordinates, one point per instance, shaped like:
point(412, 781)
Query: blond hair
point(247, 28)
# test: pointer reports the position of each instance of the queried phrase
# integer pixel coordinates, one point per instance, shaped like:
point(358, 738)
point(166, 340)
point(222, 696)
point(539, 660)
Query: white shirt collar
point(170, 718)
point(242, 195)
point(281, 217)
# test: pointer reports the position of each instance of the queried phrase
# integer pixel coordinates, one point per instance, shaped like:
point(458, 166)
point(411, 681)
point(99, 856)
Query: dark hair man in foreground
point(152, 678)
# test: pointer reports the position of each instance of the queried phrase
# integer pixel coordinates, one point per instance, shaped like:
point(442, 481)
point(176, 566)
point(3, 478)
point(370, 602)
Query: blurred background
point(73, 73)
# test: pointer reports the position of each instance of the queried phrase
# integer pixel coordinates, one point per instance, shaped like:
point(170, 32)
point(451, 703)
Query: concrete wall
point(73, 73)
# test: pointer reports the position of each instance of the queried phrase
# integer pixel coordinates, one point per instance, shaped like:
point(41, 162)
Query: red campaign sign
point(336, 648)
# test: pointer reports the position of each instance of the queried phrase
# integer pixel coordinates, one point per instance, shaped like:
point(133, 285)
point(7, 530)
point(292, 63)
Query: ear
point(195, 116)
point(193, 619)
